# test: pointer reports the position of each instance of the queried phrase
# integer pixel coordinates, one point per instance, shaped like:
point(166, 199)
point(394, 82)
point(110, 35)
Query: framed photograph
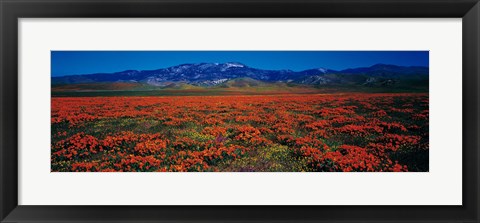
point(229, 111)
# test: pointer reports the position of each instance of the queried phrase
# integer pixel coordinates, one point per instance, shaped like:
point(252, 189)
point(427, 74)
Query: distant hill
point(238, 75)
point(242, 82)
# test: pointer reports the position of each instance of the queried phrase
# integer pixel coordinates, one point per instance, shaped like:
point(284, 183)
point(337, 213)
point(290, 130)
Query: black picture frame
point(11, 10)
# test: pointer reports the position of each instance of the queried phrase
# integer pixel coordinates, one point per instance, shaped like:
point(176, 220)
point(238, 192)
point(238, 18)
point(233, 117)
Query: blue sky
point(86, 62)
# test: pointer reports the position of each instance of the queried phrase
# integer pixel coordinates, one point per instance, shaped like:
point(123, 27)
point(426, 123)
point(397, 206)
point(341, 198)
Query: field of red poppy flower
point(267, 133)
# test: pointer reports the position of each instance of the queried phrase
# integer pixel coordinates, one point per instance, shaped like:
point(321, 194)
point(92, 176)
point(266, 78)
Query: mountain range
point(224, 74)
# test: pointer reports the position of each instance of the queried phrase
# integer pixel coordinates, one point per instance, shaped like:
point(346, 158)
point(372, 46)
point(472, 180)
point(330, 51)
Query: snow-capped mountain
point(211, 74)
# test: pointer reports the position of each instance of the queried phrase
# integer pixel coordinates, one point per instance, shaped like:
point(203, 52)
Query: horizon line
point(388, 64)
